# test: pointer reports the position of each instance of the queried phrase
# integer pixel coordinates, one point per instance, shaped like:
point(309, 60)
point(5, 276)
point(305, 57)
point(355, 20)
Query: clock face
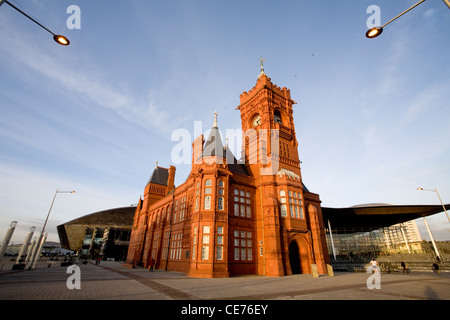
point(256, 121)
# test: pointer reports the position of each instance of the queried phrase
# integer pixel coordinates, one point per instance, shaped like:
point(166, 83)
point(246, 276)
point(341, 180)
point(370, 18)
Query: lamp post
point(435, 190)
point(376, 31)
point(40, 242)
point(7, 238)
point(426, 224)
point(60, 39)
point(25, 245)
point(432, 239)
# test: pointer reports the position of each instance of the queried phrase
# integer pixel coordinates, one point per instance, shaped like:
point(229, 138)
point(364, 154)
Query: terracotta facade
point(232, 217)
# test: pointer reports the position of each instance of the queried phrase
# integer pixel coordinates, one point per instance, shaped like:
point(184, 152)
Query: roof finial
point(215, 119)
point(156, 164)
point(262, 66)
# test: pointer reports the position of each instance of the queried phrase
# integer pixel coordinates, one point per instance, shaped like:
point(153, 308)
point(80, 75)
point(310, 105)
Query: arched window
point(175, 210)
point(169, 212)
point(163, 213)
point(208, 183)
point(207, 203)
point(220, 184)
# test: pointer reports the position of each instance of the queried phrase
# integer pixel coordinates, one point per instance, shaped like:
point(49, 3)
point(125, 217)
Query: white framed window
point(236, 209)
point(207, 205)
point(195, 235)
point(219, 253)
point(283, 206)
point(236, 253)
point(296, 206)
point(208, 183)
point(219, 247)
point(243, 248)
point(183, 208)
point(205, 252)
point(176, 246)
point(175, 210)
point(242, 203)
point(283, 210)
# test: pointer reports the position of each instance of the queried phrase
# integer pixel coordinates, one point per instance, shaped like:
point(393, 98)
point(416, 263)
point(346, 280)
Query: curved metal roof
point(376, 216)
point(71, 233)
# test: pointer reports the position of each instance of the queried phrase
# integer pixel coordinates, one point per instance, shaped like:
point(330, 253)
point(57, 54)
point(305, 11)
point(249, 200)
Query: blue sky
point(371, 114)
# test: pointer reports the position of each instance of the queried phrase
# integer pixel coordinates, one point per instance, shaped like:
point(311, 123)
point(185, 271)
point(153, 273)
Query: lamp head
point(374, 32)
point(62, 40)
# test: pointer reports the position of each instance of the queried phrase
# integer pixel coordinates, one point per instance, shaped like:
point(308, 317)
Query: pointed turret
point(214, 146)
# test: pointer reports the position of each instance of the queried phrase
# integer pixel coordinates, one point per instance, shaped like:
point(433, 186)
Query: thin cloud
point(63, 71)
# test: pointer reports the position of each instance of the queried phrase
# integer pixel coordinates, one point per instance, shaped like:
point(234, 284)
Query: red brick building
point(231, 217)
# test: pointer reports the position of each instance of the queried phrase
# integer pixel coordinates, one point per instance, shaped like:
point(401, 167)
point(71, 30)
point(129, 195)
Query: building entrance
point(294, 257)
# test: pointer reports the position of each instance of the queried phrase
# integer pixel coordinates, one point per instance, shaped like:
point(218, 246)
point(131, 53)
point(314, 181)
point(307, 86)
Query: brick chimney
point(171, 179)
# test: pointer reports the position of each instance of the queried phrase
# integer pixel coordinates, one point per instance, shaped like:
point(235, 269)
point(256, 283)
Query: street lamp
point(426, 224)
point(376, 31)
point(40, 242)
point(62, 40)
point(435, 190)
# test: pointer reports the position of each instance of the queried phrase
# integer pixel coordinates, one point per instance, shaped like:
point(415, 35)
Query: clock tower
point(268, 128)
point(289, 219)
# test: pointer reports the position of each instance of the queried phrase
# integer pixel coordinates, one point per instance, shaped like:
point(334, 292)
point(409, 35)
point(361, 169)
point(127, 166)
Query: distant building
point(403, 237)
point(105, 233)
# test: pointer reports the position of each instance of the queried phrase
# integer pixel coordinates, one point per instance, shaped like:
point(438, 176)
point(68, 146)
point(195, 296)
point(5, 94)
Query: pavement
point(112, 281)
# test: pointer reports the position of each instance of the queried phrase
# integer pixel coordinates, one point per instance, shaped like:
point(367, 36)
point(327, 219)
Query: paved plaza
point(112, 281)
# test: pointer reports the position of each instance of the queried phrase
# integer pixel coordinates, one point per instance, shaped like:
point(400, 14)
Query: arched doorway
point(294, 257)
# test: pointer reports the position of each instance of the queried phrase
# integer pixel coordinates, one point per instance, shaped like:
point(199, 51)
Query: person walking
point(405, 269)
point(374, 265)
point(152, 263)
point(436, 267)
